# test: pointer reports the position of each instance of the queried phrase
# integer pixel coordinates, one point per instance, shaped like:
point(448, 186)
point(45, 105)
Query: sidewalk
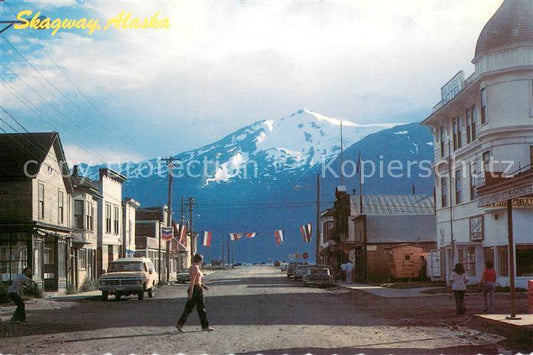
point(389, 292)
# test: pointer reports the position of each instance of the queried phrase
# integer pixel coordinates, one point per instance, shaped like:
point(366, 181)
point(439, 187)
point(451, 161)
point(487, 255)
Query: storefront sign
point(453, 87)
point(476, 229)
point(512, 193)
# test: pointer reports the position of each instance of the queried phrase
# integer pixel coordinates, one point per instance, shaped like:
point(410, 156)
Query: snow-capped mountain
point(267, 148)
point(275, 188)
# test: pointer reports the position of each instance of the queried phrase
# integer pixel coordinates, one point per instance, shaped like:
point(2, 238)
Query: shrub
point(3, 293)
point(33, 291)
point(88, 285)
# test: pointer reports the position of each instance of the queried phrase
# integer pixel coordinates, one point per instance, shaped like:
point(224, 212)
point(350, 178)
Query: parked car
point(128, 276)
point(183, 276)
point(283, 266)
point(300, 271)
point(292, 266)
point(317, 275)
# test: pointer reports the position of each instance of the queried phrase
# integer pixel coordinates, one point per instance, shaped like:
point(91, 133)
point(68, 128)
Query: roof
point(17, 149)
point(401, 229)
point(394, 205)
point(85, 184)
point(510, 26)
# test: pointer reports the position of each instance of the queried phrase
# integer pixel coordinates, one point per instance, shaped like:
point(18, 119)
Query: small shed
point(404, 261)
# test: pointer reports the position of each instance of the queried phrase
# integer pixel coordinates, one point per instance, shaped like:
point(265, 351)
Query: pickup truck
point(128, 276)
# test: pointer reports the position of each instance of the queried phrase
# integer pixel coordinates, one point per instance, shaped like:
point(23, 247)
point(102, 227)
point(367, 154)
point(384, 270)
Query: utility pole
point(223, 256)
point(170, 165)
point(193, 237)
point(229, 260)
point(317, 232)
point(452, 239)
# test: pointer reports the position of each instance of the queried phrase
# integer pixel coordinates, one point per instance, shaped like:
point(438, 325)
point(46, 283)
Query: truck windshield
point(126, 266)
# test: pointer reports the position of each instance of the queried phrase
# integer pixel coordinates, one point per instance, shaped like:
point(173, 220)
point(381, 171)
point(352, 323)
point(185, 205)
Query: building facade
point(85, 226)
point(129, 207)
point(35, 209)
point(483, 130)
point(110, 214)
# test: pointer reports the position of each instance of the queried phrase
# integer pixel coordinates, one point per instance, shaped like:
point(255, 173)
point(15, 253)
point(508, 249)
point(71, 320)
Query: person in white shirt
point(348, 268)
point(458, 280)
point(14, 294)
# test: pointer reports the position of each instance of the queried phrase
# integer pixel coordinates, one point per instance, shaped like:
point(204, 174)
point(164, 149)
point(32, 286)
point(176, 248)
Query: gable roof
point(393, 205)
point(17, 149)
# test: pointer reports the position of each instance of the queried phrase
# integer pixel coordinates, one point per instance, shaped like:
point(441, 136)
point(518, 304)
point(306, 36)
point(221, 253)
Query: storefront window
point(524, 260)
point(503, 265)
point(13, 256)
point(467, 256)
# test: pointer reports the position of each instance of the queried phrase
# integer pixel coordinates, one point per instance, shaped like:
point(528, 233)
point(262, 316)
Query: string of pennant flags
point(167, 233)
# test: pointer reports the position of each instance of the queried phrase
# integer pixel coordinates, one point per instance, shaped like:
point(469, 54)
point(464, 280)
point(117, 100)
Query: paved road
point(254, 310)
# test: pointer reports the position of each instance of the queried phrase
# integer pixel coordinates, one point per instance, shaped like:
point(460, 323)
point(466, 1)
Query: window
point(328, 230)
point(458, 187)
point(442, 139)
point(473, 181)
point(467, 256)
point(456, 133)
point(524, 260)
point(503, 264)
point(531, 157)
point(78, 214)
point(486, 161)
point(470, 124)
point(82, 259)
point(108, 218)
point(116, 220)
point(60, 207)
point(13, 257)
point(483, 106)
point(41, 201)
point(444, 192)
point(89, 216)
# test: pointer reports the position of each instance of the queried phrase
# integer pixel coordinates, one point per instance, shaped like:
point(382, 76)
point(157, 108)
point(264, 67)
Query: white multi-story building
point(483, 129)
point(128, 243)
point(110, 214)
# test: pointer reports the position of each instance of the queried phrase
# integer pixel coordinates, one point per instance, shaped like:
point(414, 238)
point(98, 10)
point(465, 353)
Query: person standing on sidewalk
point(195, 296)
point(488, 286)
point(14, 294)
point(348, 268)
point(458, 280)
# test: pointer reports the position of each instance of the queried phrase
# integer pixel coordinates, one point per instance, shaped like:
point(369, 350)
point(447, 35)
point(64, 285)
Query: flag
point(250, 235)
point(207, 239)
point(235, 236)
point(166, 233)
point(182, 234)
point(279, 236)
point(306, 232)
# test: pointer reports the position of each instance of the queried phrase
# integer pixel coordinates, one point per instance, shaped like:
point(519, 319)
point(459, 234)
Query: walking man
point(14, 294)
point(195, 296)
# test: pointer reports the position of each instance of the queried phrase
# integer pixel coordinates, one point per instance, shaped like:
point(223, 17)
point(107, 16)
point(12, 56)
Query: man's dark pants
point(20, 312)
point(198, 301)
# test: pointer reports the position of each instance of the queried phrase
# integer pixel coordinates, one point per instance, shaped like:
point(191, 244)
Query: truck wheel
point(140, 295)
point(151, 292)
point(105, 295)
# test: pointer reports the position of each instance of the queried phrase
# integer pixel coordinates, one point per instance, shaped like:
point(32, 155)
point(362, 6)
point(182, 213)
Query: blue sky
point(121, 95)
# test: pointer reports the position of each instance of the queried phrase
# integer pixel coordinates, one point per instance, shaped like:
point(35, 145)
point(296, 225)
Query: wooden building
point(35, 209)
point(366, 227)
point(85, 226)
